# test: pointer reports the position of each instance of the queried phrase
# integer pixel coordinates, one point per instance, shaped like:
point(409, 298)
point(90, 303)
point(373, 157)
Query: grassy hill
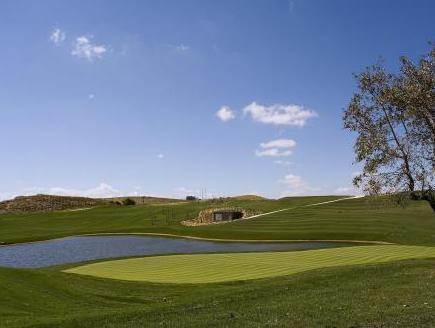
point(46, 203)
point(248, 197)
point(398, 294)
point(155, 218)
point(142, 200)
point(49, 203)
point(355, 219)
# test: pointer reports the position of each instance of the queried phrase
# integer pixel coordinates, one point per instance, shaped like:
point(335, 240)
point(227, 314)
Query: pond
point(86, 248)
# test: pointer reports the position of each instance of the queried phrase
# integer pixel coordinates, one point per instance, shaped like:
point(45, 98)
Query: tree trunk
point(405, 158)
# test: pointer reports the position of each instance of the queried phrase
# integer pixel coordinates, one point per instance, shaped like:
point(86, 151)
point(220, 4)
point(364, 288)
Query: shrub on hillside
point(128, 201)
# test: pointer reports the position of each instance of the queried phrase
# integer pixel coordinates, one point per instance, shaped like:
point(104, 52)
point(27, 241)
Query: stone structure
point(220, 215)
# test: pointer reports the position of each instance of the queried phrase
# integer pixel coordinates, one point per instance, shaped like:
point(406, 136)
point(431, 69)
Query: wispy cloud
point(85, 48)
point(283, 163)
point(276, 148)
point(160, 156)
point(278, 114)
point(273, 152)
point(349, 189)
point(295, 182)
point(182, 192)
point(102, 190)
point(180, 48)
point(225, 114)
point(279, 143)
point(57, 36)
point(186, 191)
point(25, 192)
point(297, 186)
point(291, 6)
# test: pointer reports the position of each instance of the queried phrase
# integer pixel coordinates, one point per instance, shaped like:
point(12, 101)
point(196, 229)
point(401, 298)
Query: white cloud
point(279, 114)
point(297, 186)
point(91, 96)
point(294, 182)
point(184, 190)
point(225, 114)
point(6, 196)
point(279, 143)
point(284, 163)
point(182, 47)
point(272, 152)
point(25, 192)
point(276, 148)
point(57, 36)
point(102, 190)
point(160, 156)
point(84, 48)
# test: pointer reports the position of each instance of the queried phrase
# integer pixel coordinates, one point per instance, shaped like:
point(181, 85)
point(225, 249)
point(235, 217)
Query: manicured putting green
point(211, 268)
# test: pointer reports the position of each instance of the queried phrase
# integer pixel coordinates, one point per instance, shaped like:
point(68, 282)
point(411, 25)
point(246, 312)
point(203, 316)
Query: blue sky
point(103, 98)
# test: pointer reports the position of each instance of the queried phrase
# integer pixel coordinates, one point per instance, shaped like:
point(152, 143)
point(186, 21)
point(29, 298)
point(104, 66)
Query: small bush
point(429, 196)
point(128, 202)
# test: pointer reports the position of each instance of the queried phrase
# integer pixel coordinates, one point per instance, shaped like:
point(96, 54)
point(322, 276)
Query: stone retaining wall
point(205, 217)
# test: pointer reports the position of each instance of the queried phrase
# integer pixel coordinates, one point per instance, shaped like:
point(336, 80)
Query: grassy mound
point(161, 218)
point(395, 294)
point(50, 203)
point(46, 203)
point(392, 294)
point(353, 219)
point(248, 197)
point(211, 268)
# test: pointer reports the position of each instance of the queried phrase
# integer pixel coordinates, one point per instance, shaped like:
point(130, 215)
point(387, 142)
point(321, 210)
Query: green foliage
point(401, 199)
point(428, 195)
point(394, 118)
point(128, 202)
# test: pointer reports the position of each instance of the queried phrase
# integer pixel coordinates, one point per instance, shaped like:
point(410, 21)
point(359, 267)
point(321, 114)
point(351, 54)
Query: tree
point(414, 96)
point(394, 117)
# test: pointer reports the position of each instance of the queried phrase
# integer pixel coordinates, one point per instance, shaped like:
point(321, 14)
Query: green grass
point(212, 268)
point(142, 218)
point(392, 294)
point(397, 294)
point(358, 219)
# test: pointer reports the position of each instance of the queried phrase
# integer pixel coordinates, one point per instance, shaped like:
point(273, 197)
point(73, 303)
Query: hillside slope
point(49, 203)
point(142, 200)
point(45, 203)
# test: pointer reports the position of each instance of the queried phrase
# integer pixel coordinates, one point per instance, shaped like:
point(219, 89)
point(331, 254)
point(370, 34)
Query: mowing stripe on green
point(211, 268)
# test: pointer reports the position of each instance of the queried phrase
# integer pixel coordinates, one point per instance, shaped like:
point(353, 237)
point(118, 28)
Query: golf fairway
point(212, 268)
